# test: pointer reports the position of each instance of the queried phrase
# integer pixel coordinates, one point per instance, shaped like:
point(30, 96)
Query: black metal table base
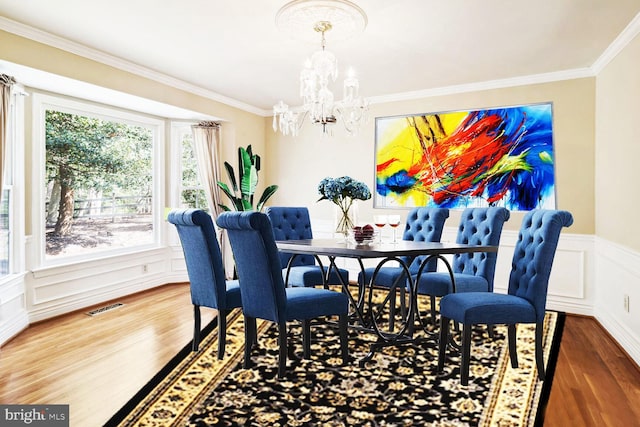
point(366, 314)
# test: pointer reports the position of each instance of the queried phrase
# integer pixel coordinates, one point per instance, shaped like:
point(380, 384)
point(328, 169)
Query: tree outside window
point(99, 184)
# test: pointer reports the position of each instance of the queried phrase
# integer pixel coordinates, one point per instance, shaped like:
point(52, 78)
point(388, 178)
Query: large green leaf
point(232, 176)
point(249, 175)
point(268, 192)
point(237, 203)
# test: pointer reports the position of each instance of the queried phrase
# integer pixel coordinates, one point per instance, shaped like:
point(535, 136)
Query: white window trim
point(42, 102)
point(177, 127)
point(15, 146)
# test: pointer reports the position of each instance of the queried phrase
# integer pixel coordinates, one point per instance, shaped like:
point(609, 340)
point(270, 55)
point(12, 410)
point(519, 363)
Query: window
point(98, 180)
point(6, 236)
point(11, 206)
point(192, 194)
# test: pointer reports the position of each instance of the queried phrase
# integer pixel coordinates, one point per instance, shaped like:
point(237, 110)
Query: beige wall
point(298, 164)
point(617, 169)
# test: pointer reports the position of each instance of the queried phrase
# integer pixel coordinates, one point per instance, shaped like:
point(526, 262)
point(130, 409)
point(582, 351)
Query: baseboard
point(88, 299)
point(626, 339)
point(572, 307)
point(14, 326)
point(617, 271)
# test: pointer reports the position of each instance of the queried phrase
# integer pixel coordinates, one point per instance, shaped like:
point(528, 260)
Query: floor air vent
point(105, 309)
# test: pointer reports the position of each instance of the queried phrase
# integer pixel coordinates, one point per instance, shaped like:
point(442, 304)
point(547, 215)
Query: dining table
point(366, 311)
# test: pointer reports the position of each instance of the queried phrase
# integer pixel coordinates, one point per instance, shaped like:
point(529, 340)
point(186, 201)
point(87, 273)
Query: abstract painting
point(492, 157)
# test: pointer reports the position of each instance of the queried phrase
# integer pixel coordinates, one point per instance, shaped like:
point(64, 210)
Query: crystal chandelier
point(318, 101)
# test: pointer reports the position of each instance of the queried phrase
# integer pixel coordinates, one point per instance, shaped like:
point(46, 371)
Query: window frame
point(178, 129)
point(43, 102)
point(14, 182)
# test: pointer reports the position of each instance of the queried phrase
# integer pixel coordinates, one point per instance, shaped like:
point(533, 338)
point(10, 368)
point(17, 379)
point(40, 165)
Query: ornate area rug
point(399, 387)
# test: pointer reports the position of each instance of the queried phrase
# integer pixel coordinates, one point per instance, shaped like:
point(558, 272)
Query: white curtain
point(206, 144)
point(206, 140)
point(5, 92)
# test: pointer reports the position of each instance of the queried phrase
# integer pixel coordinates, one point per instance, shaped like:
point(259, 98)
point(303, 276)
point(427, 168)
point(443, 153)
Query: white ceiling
point(233, 48)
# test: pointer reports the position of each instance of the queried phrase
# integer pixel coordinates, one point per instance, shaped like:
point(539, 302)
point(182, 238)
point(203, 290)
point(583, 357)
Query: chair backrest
point(291, 223)
point(533, 256)
point(480, 226)
point(202, 256)
point(257, 264)
point(425, 225)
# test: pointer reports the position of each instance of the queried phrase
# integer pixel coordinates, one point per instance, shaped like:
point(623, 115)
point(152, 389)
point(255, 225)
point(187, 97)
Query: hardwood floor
point(596, 383)
point(95, 364)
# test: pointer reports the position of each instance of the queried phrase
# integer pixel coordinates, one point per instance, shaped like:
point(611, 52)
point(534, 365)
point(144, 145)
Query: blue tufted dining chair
point(209, 287)
point(264, 295)
point(473, 272)
point(527, 292)
point(422, 225)
point(293, 223)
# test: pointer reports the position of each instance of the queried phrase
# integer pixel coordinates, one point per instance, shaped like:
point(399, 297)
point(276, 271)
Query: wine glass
point(380, 221)
point(394, 222)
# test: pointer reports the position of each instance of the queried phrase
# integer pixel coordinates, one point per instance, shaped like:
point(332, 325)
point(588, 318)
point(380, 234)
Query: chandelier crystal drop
point(320, 70)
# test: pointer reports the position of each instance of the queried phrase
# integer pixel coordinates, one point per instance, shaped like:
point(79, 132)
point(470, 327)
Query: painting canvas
point(492, 157)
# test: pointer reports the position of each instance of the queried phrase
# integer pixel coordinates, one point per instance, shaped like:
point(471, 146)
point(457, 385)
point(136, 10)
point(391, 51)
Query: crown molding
point(49, 39)
point(623, 39)
point(486, 85)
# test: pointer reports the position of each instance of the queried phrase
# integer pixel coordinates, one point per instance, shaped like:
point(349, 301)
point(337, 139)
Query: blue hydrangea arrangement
point(342, 192)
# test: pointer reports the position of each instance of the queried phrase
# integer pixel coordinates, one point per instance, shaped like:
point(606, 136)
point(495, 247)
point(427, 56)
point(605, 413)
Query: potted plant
point(241, 195)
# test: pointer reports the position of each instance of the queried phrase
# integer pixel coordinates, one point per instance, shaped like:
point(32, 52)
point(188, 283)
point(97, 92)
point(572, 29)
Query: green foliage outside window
point(95, 168)
point(193, 195)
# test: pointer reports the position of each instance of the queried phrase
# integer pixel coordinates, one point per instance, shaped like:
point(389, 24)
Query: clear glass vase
point(345, 220)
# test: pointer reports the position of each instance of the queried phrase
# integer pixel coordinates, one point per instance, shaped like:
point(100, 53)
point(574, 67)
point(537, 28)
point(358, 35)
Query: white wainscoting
point(60, 289)
point(571, 285)
point(13, 309)
point(617, 273)
point(572, 282)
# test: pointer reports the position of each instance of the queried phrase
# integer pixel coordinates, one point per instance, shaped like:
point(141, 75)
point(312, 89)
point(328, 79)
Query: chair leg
point(443, 341)
point(196, 328)
point(249, 339)
point(306, 339)
point(282, 349)
point(344, 338)
point(539, 356)
point(513, 353)
point(466, 354)
point(254, 330)
point(222, 332)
